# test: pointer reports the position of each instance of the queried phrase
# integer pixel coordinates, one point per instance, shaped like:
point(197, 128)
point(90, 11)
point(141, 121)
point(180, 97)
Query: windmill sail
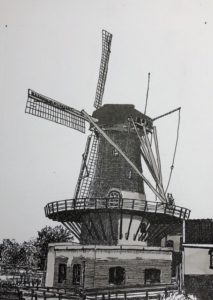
point(87, 168)
point(84, 170)
point(106, 49)
point(47, 108)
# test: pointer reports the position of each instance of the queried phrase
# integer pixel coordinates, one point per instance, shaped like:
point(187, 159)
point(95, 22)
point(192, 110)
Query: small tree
point(46, 236)
point(30, 254)
point(11, 252)
point(15, 255)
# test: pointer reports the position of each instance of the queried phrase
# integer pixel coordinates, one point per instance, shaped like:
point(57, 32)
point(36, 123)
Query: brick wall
point(96, 272)
point(134, 270)
point(114, 171)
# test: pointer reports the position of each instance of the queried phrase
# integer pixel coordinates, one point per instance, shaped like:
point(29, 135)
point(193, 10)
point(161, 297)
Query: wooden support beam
point(150, 230)
point(158, 154)
point(72, 226)
point(139, 227)
point(143, 235)
point(149, 158)
point(151, 155)
point(129, 227)
point(157, 229)
point(102, 226)
point(121, 225)
point(111, 226)
point(94, 228)
point(87, 228)
point(78, 226)
point(168, 229)
point(71, 230)
point(166, 114)
point(144, 151)
point(149, 166)
point(155, 167)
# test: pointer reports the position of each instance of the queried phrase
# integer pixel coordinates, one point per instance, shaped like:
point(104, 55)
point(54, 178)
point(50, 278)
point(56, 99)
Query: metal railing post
point(32, 294)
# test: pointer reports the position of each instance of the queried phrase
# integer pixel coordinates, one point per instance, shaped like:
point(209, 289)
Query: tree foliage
point(18, 254)
point(33, 253)
point(49, 235)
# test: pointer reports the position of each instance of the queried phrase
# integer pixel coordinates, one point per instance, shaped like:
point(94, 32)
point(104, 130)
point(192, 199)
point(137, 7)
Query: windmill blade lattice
point(84, 170)
point(106, 50)
point(49, 109)
point(87, 168)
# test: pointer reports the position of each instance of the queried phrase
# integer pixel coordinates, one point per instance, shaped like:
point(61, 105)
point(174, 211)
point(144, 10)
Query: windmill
point(109, 204)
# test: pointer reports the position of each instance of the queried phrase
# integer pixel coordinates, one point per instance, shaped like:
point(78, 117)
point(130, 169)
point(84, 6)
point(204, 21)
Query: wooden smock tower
point(122, 236)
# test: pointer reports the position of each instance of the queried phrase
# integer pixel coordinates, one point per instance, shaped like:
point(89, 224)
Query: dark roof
point(199, 231)
point(111, 114)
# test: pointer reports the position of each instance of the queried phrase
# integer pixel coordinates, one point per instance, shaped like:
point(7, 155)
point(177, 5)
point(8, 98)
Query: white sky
point(54, 47)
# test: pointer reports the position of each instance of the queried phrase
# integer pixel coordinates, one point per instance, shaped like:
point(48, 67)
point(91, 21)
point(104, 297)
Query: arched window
point(152, 276)
point(76, 278)
point(62, 273)
point(211, 259)
point(115, 197)
point(116, 275)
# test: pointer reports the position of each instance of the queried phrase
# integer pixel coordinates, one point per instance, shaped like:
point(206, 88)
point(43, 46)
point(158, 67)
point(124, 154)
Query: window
point(211, 258)
point(152, 276)
point(114, 152)
point(62, 273)
point(170, 244)
point(76, 279)
point(116, 275)
point(114, 195)
point(129, 174)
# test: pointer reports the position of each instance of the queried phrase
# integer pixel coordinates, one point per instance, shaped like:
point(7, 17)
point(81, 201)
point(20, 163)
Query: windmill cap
point(111, 114)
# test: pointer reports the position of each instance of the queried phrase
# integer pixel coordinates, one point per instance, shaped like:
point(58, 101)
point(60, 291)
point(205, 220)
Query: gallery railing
point(82, 204)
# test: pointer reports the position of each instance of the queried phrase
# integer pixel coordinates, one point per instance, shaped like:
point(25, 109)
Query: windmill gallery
point(124, 240)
